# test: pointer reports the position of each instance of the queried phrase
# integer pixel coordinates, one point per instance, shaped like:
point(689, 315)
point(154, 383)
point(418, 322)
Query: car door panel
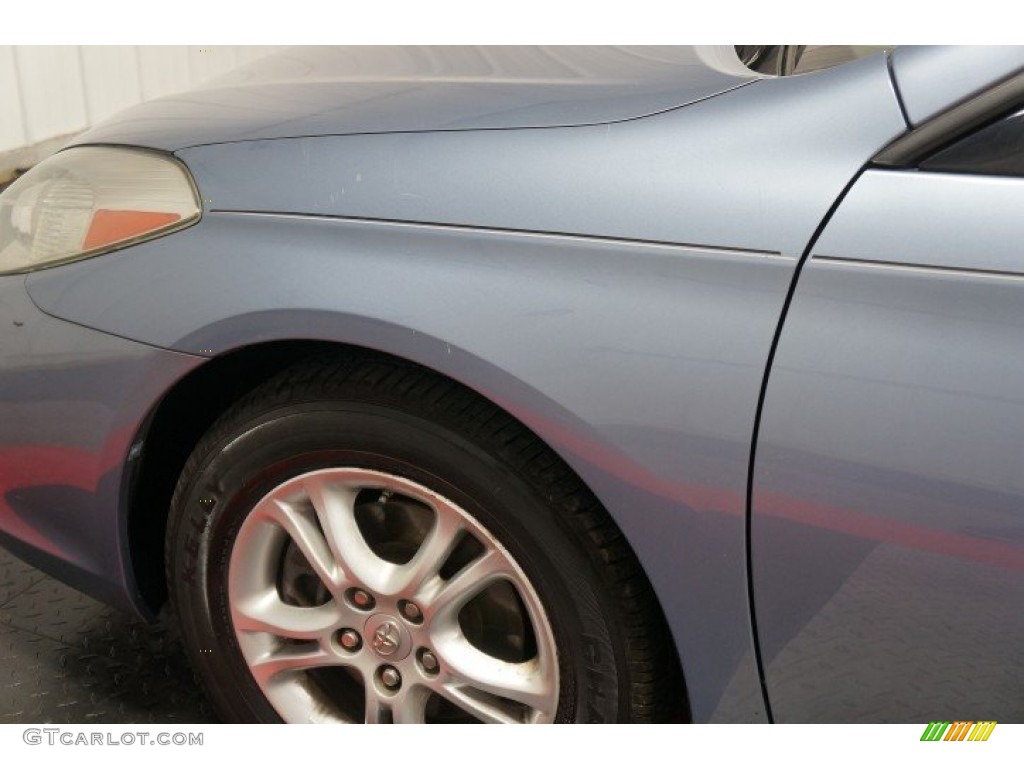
point(887, 532)
point(942, 220)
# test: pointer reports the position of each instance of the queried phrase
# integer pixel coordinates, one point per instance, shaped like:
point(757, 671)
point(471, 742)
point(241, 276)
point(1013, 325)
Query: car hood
point(316, 91)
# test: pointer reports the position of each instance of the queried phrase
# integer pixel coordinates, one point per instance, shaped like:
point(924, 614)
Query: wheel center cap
point(388, 638)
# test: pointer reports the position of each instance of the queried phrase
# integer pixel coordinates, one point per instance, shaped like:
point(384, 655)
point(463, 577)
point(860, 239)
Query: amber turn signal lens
point(110, 227)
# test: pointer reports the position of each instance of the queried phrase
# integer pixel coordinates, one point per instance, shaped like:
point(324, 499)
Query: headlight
point(89, 200)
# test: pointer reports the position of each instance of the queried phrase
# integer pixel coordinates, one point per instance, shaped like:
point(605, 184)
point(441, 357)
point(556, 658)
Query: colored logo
point(959, 731)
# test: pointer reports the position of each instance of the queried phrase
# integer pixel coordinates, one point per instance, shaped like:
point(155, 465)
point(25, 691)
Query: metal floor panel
point(65, 658)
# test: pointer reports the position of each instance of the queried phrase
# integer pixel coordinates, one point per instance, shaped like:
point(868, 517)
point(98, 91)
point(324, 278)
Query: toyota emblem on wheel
point(387, 638)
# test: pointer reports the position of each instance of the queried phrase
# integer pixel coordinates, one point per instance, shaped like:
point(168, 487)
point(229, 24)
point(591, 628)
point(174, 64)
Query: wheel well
point(173, 430)
point(179, 422)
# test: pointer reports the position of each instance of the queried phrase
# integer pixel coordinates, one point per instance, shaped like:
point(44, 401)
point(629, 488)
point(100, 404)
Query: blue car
point(532, 385)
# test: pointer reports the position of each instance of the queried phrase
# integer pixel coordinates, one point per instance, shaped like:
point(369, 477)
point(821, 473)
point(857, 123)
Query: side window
point(995, 150)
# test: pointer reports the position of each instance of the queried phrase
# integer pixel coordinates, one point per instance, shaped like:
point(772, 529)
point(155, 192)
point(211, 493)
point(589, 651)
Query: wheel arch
point(190, 407)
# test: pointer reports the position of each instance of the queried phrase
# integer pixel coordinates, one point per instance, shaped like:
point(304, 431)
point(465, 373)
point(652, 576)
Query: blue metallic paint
point(931, 219)
point(431, 246)
point(71, 402)
point(678, 177)
point(311, 91)
point(889, 464)
point(887, 546)
point(678, 446)
point(546, 326)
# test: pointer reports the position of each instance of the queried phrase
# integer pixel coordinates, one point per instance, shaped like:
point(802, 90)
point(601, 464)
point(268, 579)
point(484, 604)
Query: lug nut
point(428, 661)
point(391, 678)
point(362, 599)
point(350, 640)
point(412, 612)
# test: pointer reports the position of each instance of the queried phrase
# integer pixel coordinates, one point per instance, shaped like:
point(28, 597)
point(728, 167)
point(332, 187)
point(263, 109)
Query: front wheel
point(363, 541)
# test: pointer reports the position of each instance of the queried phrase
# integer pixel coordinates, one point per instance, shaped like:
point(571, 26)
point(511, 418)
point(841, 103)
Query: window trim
point(948, 127)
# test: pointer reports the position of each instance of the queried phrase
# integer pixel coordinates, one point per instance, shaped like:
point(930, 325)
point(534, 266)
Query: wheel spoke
point(434, 551)
point(484, 711)
point(376, 706)
point(410, 706)
point(289, 660)
point(301, 527)
point(335, 508)
point(468, 669)
point(444, 602)
point(268, 613)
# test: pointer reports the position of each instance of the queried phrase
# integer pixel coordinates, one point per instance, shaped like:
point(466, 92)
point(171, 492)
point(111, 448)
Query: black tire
point(614, 657)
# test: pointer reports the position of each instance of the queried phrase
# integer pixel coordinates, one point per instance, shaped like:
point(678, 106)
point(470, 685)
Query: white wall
point(53, 91)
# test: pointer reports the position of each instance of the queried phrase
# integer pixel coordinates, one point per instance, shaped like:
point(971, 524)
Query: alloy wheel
point(360, 596)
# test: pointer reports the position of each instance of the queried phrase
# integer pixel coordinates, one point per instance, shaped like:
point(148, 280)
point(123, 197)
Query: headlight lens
point(88, 200)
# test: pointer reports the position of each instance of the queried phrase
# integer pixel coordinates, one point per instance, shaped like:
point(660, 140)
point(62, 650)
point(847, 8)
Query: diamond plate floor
point(65, 658)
